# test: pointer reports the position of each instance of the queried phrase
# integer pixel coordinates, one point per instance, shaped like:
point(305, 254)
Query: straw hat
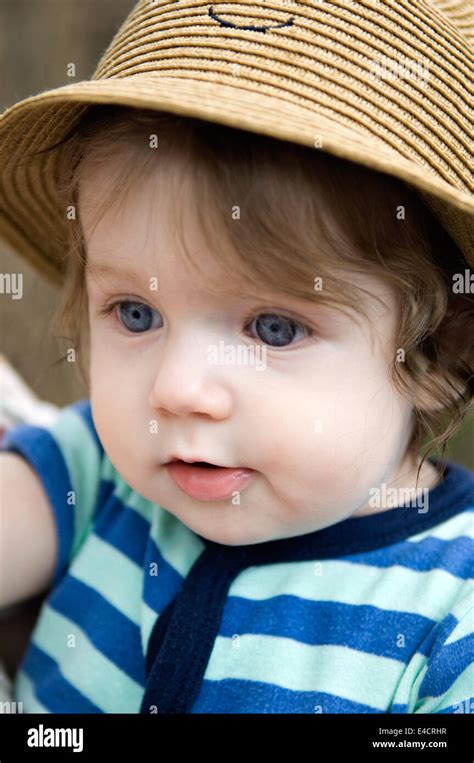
point(384, 83)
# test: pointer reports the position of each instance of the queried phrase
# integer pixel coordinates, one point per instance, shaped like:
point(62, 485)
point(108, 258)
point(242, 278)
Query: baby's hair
point(304, 215)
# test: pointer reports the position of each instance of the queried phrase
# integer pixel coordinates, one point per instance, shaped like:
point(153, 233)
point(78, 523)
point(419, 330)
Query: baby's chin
point(221, 522)
point(241, 525)
point(248, 534)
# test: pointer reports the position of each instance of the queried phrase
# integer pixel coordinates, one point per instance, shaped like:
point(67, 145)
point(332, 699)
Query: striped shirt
point(373, 614)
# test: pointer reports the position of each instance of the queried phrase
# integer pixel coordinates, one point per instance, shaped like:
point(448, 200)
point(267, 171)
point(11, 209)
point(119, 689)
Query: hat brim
point(29, 201)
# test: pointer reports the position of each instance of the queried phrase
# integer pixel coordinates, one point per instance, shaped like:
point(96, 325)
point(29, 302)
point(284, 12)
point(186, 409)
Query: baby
point(261, 216)
point(221, 535)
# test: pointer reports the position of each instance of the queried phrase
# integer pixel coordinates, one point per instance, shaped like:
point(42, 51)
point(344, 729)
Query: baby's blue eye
point(276, 330)
point(137, 317)
point(273, 329)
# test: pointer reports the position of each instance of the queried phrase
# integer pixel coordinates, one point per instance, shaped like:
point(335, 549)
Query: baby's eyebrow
point(93, 268)
point(139, 279)
point(118, 272)
point(240, 292)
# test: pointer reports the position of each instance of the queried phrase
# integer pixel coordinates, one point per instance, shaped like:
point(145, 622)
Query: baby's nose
point(186, 383)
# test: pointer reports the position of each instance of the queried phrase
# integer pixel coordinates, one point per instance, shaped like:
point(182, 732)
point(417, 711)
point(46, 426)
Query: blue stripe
point(447, 666)
point(52, 689)
point(240, 696)
point(104, 627)
point(399, 708)
point(122, 527)
point(40, 449)
point(126, 531)
point(437, 635)
point(454, 556)
point(463, 707)
point(363, 627)
point(169, 581)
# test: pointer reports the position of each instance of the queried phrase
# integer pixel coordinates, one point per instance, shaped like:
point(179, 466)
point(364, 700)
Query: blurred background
point(38, 39)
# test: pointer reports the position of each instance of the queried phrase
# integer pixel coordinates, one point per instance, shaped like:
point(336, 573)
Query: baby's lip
point(192, 460)
point(212, 484)
point(198, 459)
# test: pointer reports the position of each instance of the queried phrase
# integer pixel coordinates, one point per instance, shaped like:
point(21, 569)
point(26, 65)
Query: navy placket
point(183, 636)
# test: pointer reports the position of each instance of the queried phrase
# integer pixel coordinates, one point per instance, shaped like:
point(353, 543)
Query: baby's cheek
point(344, 443)
point(104, 419)
point(371, 442)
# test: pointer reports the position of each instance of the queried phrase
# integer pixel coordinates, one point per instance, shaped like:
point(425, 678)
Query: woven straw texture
point(296, 71)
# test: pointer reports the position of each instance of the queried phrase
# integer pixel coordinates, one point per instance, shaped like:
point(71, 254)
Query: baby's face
point(315, 416)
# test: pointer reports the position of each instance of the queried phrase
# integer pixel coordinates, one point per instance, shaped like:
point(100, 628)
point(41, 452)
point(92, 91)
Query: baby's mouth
point(206, 481)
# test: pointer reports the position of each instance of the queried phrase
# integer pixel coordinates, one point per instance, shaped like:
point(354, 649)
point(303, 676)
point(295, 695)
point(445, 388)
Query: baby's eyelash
point(106, 309)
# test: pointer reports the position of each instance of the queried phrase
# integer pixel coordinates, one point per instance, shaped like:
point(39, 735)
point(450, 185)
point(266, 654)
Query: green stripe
point(406, 691)
point(177, 544)
point(116, 577)
point(395, 588)
point(459, 525)
point(336, 670)
point(84, 666)
point(459, 693)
